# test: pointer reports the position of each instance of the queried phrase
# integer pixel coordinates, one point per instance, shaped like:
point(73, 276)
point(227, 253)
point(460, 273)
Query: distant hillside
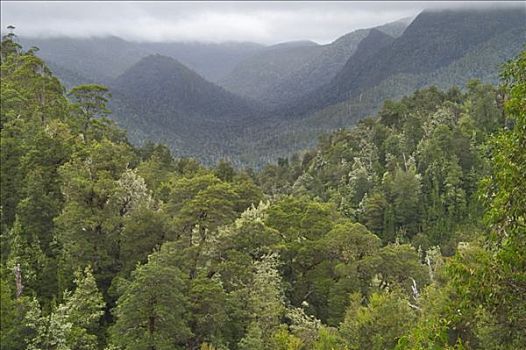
point(68, 77)
point(367, 50)
point(396, 28)
point(104, 59)
point(211, 61)
point(278, 76)
point(96, 59)
point(432, 41)
point(256, 75)
point(482, 62)
point(160, 99)
point(315, 72)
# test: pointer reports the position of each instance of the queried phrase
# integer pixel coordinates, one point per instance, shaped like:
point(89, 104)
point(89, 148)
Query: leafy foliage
point(374, 239)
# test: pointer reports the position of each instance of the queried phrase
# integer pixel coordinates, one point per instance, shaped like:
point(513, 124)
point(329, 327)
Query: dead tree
point(18, 279)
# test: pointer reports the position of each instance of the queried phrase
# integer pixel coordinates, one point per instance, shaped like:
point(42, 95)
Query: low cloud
point(264, 22)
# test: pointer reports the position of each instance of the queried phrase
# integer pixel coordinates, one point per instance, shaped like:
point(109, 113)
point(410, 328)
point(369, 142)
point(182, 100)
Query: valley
point(282, 97)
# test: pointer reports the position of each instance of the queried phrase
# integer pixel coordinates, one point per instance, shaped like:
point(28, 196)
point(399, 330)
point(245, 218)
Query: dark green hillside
point(437, 38)
point(68, 77)
point(158, 82)
point(159, 99)
point(315, 72)
point(482, 62)
point(367, 50)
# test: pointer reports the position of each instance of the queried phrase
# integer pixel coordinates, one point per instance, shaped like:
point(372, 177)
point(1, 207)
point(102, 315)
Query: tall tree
point(152, 312)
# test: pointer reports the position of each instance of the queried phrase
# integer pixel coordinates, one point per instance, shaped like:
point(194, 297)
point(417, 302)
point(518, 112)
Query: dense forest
point(404, 232)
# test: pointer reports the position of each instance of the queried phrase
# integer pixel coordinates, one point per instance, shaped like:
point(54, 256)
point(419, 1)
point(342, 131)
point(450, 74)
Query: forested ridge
point(404, 232)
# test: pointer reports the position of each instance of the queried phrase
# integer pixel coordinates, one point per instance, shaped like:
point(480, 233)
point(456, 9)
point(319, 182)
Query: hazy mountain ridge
point(212, 61)
point(103, 59)
point(97, 59)
point(258, 74)
point(279, 76)
point(482, 62)
point(166, 81)
point(433, 40)
point(366, 50)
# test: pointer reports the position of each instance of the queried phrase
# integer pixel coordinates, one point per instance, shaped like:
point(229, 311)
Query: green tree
point(208, 307)
point(329, 339)
point(13, 332)
point(403, 190)
point(379, 324)
point(253, 340)
point(96, 200)
point(89, 102)
point(284, 340)
point(152, 312)
point(73, 323)
point(265, 304)
point(84, 309)
point(400, 266)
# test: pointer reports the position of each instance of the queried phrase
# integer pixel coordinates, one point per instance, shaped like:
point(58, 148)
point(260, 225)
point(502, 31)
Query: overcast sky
point(264, 22)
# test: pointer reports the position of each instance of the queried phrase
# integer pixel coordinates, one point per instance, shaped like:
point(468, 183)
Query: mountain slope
point(482, 62)
point(97, 59)
point(366, 51)
point(211, 61)
point(433, 40)
point(259, 73)
point(315, 72)
point(160, 99)
point(281, 76)
point(396, 28)
point(165, 82)
point(102, 59)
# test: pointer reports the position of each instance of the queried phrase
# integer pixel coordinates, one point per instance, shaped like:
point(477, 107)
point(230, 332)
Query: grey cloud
point(265, 22)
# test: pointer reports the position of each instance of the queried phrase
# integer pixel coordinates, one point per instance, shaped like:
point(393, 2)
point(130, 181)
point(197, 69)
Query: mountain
point(482, 62)
point(280, 74)
point(434, 40)
point(97, 59)
point(256, 75)
point(162, 100)
point(166, 82)
point(69, 78)
point(366, 51)
point(396, 28)
point(102, 59)
point(212, 61)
